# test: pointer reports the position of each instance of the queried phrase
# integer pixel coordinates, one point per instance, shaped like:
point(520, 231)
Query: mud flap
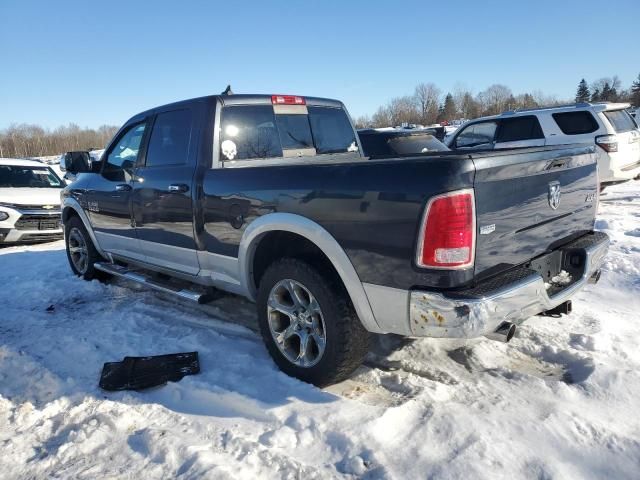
point(137, 373)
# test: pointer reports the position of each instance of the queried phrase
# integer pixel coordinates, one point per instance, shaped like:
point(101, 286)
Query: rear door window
point(477, 135)
point(170, 137)
point(620, 120)
point(576, 123)
point(519, 129)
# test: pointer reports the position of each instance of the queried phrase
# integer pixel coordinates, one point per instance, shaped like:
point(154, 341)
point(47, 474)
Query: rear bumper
point(617, 168)
point(513, 296)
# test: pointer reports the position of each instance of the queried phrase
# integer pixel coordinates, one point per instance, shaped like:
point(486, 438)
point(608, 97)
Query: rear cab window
point(620, 120)
point(274, 131)
point(576, 123)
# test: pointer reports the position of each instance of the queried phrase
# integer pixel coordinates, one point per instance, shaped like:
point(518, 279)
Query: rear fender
point(316, 234)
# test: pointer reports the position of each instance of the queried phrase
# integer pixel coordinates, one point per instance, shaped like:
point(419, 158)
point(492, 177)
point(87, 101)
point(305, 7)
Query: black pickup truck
point(270, 197)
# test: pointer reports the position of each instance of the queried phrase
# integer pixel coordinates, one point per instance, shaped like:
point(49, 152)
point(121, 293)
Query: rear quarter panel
point(371, 207)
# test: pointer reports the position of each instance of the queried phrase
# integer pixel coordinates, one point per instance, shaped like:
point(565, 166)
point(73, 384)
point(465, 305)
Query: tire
point(346, 342)
point(77, 237)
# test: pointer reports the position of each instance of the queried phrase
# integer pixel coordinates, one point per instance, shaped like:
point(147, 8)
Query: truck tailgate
point(530, 201)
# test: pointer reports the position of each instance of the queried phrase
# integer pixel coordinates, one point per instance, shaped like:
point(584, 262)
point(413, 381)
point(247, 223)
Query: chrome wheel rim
point(296, 323)
point(78, 250)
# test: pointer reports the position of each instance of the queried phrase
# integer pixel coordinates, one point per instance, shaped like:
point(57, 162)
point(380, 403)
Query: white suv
point(29, 202)
point(608, 125)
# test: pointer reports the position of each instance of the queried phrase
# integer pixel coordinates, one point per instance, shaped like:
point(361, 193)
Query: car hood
point(30, 196)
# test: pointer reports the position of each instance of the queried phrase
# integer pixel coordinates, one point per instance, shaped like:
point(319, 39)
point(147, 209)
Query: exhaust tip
point(503, 333)
point(511, 332)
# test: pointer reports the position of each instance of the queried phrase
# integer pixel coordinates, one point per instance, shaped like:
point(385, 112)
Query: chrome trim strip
point(313, 232)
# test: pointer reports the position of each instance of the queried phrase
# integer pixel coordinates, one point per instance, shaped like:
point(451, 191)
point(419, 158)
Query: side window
point(477, 134)
point(249, 131)
point(169, 142)
point(576, 123)
point(125, 153)
point(519, 128)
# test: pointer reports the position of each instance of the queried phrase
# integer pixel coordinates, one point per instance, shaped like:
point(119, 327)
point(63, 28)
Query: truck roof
point(242, 99)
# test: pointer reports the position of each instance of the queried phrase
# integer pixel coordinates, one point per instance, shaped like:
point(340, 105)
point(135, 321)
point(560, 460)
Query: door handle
point(123, 187)
point(178, 188)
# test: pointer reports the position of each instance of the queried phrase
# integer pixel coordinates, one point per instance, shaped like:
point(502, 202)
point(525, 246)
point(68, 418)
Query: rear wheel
point(81, 252)
point(308, 323)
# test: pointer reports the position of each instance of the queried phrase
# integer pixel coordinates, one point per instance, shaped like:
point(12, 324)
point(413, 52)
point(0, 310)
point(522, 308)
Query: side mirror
point(76, 162)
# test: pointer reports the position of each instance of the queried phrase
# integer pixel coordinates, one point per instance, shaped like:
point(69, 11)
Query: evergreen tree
point(635, 92)
point(595, 96)
point(606, 94)
point(583, 94)
point(448, 111)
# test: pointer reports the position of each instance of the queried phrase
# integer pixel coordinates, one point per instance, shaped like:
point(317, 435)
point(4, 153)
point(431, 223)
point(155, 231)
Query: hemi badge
point(487, 229)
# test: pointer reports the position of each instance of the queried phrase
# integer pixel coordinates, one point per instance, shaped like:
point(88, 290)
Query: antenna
point(227, 91)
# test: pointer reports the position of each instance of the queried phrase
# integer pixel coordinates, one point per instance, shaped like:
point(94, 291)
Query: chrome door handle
point(178, 188)
point(123, 187)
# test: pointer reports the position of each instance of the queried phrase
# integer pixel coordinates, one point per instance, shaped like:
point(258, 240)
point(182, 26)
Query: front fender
point(70, 206)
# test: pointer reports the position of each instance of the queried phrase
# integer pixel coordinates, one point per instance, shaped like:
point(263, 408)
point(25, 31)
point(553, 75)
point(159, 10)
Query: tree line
point(430, 105)
point(27, 140)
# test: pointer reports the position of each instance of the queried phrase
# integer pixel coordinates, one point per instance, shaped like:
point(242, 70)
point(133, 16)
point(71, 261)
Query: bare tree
point(26, 140)
point(495, 99)
point(427, 98)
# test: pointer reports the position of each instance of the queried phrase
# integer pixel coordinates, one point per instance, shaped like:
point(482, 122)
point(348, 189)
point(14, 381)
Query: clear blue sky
point(101, 62)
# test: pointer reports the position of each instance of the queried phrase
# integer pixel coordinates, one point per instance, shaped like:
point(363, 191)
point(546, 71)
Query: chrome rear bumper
point(510, 297)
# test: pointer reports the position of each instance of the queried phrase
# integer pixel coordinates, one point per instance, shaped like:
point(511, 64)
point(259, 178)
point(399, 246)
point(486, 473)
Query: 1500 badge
point(590, 197)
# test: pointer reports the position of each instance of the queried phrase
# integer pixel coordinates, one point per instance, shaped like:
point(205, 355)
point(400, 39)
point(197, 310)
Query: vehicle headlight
point(3, 216)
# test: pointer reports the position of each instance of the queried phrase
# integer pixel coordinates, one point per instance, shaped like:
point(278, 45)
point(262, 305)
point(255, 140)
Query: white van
point(608, 125)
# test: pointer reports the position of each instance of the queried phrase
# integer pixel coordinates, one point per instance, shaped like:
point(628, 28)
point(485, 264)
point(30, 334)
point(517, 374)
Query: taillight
point(448, 232)
point(287, 100)
point(609, 143)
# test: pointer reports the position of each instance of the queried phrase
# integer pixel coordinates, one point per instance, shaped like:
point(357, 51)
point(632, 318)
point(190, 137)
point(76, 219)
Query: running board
point(124, 272)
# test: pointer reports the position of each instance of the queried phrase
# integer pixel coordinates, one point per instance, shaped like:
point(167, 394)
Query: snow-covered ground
point(562, 400)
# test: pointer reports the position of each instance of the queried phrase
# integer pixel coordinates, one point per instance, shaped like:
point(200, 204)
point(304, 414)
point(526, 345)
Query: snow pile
point(561, 400)
point(563, 278)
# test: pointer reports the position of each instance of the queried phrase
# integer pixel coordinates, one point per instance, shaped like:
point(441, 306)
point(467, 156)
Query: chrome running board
point(141, 278)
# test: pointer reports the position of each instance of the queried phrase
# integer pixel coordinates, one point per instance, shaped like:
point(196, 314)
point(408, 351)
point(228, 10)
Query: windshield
point(12, 176)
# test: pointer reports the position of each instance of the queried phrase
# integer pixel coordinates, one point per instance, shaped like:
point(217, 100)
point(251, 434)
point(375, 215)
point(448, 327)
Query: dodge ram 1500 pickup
point(270, 197)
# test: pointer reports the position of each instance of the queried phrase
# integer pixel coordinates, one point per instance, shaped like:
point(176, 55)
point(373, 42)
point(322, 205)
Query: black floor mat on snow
point(136, 373)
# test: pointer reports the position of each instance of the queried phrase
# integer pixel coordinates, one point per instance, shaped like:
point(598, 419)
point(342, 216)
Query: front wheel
point(308, 323)
point(81, 252)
